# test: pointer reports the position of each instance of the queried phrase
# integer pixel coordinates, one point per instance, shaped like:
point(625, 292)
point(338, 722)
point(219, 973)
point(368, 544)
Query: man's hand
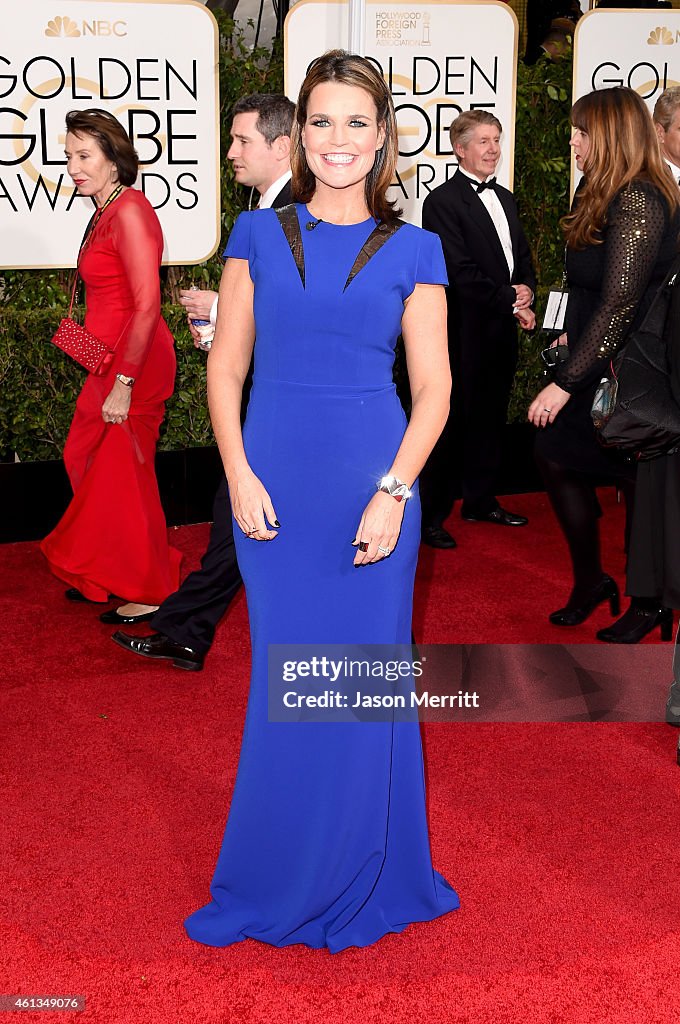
point(526, 318)
point(525, 297)
point(197, 302)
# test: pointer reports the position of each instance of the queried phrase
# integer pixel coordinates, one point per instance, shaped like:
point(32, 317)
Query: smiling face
point(341, 134)
point(580, 143)
point(480, 155)
point(669, 139)
point(91, 170)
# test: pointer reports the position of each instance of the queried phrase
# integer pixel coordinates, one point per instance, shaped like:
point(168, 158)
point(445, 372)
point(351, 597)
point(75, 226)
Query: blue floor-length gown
point(326, 842)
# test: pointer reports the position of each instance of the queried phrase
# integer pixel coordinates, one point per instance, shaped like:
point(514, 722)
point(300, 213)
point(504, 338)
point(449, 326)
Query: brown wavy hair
point(349, 69)
point(623, 148)
point(113, 140)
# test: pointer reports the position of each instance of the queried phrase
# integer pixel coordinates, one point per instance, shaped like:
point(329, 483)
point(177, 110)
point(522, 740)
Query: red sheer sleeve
point(139, 247)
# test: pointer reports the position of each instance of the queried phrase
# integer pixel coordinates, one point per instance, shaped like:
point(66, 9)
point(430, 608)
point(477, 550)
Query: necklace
point(89, 230)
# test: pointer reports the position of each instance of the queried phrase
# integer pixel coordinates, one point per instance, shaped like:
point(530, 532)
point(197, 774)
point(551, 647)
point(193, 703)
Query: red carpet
point(561, 839)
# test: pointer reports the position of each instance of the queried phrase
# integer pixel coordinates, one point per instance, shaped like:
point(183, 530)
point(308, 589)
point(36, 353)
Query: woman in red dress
point(112, 538)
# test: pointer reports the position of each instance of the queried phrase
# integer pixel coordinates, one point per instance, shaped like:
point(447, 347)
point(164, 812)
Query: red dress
point(112, 538)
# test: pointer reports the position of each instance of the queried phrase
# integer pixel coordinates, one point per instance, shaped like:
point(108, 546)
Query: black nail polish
point(277, 523)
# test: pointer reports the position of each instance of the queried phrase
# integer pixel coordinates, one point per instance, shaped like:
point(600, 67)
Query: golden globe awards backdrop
point(639, 49)
point(439, 57)
point(152, 64)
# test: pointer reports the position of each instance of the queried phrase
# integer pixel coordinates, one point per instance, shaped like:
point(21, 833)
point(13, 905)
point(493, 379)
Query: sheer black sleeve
point(636, 224)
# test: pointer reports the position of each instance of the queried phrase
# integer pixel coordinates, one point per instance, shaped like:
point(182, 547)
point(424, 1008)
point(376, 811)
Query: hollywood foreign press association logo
point(661, 36)
point(57, 27)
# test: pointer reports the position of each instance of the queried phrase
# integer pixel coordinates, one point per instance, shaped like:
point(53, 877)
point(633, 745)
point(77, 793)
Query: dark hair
point(462, 129)
point(274, 113)
point(349, 69)
point(113, 140)
point(623, 148)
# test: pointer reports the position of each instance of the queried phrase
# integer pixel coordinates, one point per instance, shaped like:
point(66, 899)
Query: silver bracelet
point(395, 487)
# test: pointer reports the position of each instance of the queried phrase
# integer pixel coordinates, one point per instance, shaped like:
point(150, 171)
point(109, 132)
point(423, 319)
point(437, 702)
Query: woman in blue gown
point(327, 842)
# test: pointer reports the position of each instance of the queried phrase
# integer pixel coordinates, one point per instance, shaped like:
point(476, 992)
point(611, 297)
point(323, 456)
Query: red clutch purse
point(74, 339)
point(77, 342)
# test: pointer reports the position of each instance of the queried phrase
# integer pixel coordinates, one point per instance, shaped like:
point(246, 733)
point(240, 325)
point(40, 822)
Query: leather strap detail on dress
point(380, 234)
point(288, 220)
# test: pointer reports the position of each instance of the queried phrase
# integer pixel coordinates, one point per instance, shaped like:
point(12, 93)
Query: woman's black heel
point(636, 623)
point(581, 605)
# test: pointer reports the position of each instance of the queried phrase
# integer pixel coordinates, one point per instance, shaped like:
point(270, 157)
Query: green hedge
point(38, 384)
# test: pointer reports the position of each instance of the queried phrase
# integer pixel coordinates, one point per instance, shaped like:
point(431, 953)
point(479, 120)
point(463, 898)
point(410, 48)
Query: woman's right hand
point(251, 505)
point(562, 340)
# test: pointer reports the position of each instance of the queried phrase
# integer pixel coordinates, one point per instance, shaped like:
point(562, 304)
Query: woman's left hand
point(379, 528)
point(117, 403)
point(547, 404)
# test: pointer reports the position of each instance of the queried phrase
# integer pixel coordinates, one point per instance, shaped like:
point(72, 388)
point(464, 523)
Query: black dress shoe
point(114, 618)
point(437, 537)
point(499, 515)
point(160, 647)
point(636, 623)
point(582, 604)
point(72, 594)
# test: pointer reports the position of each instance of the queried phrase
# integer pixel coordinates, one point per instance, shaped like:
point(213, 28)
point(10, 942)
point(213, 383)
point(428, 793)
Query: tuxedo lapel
point(480, 216)
point(284, 197)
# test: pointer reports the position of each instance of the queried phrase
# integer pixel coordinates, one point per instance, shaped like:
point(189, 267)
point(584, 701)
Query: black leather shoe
point(636, 623)
point(114, 618)
point(500, 516)
point(160, 647)
point(437, 537)
point(581, 605)
point(72, 594)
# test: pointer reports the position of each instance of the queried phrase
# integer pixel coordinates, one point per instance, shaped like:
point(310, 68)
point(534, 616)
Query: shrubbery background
point(38, 384)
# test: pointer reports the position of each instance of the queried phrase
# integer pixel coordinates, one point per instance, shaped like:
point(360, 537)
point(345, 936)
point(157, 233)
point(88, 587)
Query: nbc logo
point(660, 37)
point(62, 27)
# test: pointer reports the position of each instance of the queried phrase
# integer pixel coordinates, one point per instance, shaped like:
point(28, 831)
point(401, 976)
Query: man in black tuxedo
point(186, 621)
point(491, 288)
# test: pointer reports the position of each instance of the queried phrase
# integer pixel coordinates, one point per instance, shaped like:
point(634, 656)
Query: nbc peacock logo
point(660, 37)
point(62, 27)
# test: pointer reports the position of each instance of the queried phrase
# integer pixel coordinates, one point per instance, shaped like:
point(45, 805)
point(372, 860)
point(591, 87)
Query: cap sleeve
point(238, 245)
point(430, 268)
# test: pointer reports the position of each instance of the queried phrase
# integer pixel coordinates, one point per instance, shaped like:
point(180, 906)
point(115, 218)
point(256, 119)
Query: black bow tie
point(491, 183)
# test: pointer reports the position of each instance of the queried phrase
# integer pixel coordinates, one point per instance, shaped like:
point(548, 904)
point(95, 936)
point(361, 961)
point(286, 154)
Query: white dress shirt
point(266, 200)
point(674, 169)
point(497, 214)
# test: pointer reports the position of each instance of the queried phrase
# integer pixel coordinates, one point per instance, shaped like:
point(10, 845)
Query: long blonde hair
point(623, 148)
point(349, 69)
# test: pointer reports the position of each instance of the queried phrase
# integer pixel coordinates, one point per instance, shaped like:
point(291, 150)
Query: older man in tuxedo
point(186, 621)
point(667, 123)
point(491, 288)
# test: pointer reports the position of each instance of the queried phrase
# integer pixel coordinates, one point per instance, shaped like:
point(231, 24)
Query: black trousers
point(190, 615)
point(467, 457)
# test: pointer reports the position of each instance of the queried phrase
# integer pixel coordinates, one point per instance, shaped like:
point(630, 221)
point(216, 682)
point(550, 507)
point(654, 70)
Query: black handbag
point(637, 403)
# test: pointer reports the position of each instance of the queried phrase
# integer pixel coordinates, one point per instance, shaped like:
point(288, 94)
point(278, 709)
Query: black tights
point(575, 504)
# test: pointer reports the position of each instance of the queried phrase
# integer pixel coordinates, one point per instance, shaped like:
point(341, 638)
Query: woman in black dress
point(621, 237)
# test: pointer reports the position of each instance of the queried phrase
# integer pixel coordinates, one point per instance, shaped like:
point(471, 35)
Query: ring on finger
point(363, 545)
point(383, 551)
